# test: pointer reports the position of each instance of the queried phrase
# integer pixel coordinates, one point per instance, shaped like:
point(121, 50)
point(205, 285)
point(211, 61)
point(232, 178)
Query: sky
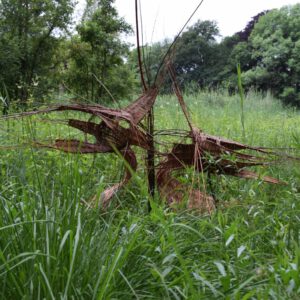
point(164, 18)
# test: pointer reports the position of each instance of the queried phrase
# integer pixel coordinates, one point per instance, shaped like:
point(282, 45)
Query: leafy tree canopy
point(98, 54)
point(29, 36)
point(196, 53)
point(275, 45)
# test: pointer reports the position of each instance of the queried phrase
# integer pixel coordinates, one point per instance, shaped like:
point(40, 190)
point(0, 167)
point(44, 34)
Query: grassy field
point(52, 247)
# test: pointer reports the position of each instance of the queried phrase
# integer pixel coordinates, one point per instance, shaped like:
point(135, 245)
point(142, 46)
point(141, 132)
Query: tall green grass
point(242, 96)
point(53, 247)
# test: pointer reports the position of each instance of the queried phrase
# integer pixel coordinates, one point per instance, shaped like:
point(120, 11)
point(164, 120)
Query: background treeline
point(268, 50)
point(42, 52)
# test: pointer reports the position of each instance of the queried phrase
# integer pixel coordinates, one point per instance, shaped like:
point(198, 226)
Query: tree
point(30, 31)
point(196, 54)
point(275, 43)
point(246, 32)
point(234, 50)
point(9, 64)
point(152, 56)
point(98, 54)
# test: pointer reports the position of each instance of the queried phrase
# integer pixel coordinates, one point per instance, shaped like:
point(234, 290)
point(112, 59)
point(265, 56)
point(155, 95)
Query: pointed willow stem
point(150, 157)
point(138, 45)
point(150, 117)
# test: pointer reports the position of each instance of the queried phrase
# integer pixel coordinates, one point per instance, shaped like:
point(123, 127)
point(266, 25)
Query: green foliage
point(97, 55)
point(196, 54)
point(9, 63)
point(267, 49)
point(152, 56)
point(195, 57)
point(275, 49)
point(29, 36)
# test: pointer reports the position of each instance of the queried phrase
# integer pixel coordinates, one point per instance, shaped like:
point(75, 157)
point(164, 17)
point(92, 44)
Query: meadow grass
point(52, 247)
